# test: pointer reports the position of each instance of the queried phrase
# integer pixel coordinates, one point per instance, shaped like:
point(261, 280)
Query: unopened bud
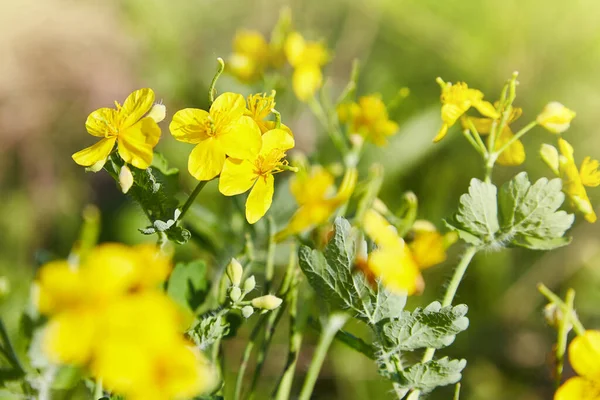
point(550, 156)
point(247, 311)
point(235, 294)
point(249, 284)
point(125, 178)
point(234, 272)
point(158, 112)
point(268, 302)
point(553, 315)
point(555, 117)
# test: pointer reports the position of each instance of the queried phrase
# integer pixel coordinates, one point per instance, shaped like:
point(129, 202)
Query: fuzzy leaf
point(429, 375)
point(331, 275)
point(432, 326)
point(188, 285)
point(211, 328)
point(529, 213)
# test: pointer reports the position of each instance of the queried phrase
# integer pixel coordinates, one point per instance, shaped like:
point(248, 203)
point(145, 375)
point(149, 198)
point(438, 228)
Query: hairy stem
point(191, 198)
point(563, 333)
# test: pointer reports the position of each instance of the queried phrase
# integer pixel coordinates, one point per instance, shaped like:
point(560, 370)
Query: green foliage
point(188, 284)
point(154, 189)
point(429, 375)
point(522, 214)
point(331, 275)
point(211, 328)
point(432, 326)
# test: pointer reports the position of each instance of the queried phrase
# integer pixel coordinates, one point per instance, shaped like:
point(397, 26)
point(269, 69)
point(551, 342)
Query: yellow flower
point(428, 246)
point(259, 107)
point(584, 355)
point(369, 118)
point(458, 99)
point(392, 262)
point(133, 126)
point(307, 58)
point(222, 131)
point(574, 180)
point(555, 117)
point(313, 194)
point(142, 353)
point(515, 153)
point(256, 172)
point(250, 55)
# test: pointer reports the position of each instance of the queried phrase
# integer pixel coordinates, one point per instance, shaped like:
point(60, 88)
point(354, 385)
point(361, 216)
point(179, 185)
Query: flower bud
point(268, 302)
point(555, 117)
point(125, 178)
point(158, 112)
point(235, 294)
point(550, 156)
point(247, 311)
point(234, 272)
point(249, 284)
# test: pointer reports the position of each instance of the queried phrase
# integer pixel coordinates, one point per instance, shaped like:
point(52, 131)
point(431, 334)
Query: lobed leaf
point(429, 375)
point(188, 285)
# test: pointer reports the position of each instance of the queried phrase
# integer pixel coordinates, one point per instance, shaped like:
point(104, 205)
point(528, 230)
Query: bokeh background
point(61, 59)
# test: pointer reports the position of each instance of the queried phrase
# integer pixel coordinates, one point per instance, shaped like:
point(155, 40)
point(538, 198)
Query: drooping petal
point(136, 105)
point(206, 160)
point(260, 199)
point(241, 139)
point(487, 109)
point(441, 134)
point(584, 355)
point(396, 270)
point(306, 80)
point(514, 154)
point(590, 176)
point(96, 153)
point(380, 230)
point(227, 109)
point(276, 139)
point(237, 177)
point(190, 125)
point(428, 249)
point(102, 122)
point(578, 388)
point(137, 142)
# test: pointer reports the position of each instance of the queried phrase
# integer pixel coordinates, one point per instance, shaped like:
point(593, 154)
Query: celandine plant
point(114, 321)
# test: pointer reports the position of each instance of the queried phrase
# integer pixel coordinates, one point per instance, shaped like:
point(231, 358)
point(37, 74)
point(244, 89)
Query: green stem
point(335, 134)
point(349, 340)
point(9, 351)
point(335, 322)
point(190, 200)
point(563, 333)
point(270, 265)
point(467, 134)
point(98, 390)
point(477, 136)
point(568, 314)
point(213, 83)
point(457, 391)
point(517, 136)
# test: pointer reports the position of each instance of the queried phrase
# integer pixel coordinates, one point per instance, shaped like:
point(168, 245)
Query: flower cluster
point(306, 58)
point(369, 118)
point(109, 315)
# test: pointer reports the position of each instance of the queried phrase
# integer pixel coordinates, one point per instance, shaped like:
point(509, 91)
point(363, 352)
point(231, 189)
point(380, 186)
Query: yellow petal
point(241, 139)
point(158, 112)
point(566, 149)
point(550, 156)
point(514, 154)
point(311, 188)
point(96, 153)
point(136, 105)
point(57, 288)
point(237, 177)
point(584, 355)
point(487, 109)
point(590, 176)
point(268, 125)
point(206, 160)
point(428, 249)
point(483, 125)
point(137, 142)
point(306, 80)
point(260, 199)
point(227, 109)
point(276, 139)
point(380, 230)
point(190, 125)
point(397, 272)
point(578, 389)
point(441, 134)
point(69, 337)
point(452, 112)
point(294, 47)
point(555, 117)
point(102, 122)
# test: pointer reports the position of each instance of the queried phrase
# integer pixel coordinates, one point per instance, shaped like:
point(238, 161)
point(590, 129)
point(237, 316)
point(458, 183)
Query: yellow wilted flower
point(142, 353)
point(555, 117)
point(458, 99)
point(307, 58)
point(250, 55)
point(256, 172)
point(584, 355)
point(133, 126)
point(391, 262)
point(222, 131)
point(574, 180)
point(369, 118)
point(428, 247)
point(312, 192)
point(515, 153)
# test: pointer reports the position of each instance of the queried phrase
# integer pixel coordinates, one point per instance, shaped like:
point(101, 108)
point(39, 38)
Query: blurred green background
point(62, 59)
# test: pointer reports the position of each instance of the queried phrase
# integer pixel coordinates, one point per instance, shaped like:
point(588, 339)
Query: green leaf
point(210, 329)
point(331, 274)
point(188, 285)
point(477, 219)
point(529, 213)
point(429, 375)
point(432, 326)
